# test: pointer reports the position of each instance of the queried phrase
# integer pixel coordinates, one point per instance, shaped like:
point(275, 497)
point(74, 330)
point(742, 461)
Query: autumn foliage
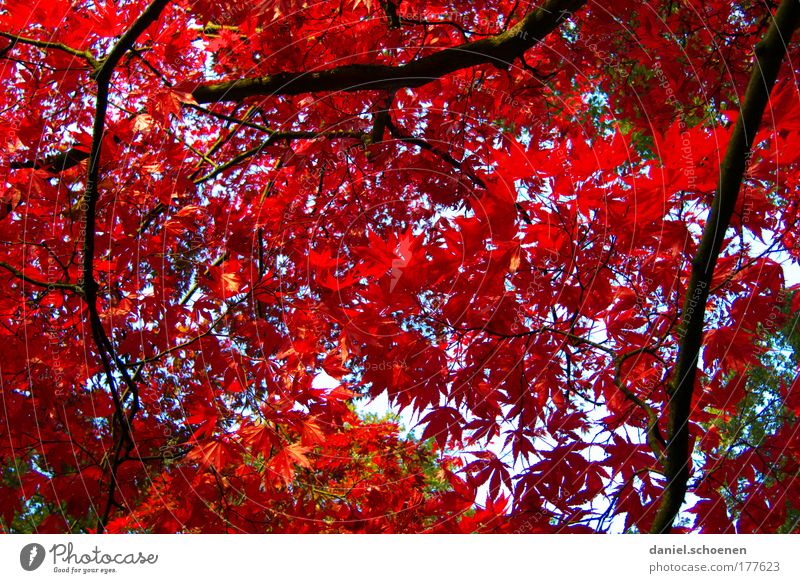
point(559, 236)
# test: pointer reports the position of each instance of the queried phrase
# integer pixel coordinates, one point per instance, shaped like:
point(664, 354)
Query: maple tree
point(560, 233)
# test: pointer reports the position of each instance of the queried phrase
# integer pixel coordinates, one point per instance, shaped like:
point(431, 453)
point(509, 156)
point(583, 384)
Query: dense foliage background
point(560, 238)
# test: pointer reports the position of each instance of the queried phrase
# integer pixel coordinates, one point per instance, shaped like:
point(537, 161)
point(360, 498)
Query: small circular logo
point(31, 556)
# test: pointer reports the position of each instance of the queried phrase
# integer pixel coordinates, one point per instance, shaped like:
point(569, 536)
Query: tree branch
point(15, 38)
point(43, 284)
point(103, 78)
point(276, 137)
point(106, 350)
point(653, 434)
point(54, 164)
point(499, 50)
point(769, 55)
point(398, 134)
point(381, 117)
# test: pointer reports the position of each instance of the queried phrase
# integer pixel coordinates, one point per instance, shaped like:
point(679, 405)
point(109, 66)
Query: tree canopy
point(561, 236)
